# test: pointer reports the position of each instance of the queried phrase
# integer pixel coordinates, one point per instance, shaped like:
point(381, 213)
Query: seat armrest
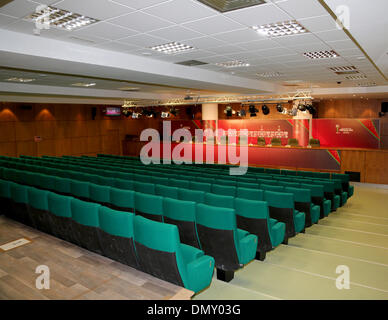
point(190, 253)
point(200, 273)
point(241, 234)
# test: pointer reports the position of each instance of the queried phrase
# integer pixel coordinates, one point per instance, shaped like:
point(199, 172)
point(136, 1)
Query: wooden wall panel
point(353, 161)
point(27, 148)
point(7, 131)
point(24, 131)
point(376, 170)
point(349, 108)
point(8, 149)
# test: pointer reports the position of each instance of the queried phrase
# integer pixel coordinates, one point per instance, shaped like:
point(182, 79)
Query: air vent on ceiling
point(344, 70)
point(230, 5)
point(191, 63)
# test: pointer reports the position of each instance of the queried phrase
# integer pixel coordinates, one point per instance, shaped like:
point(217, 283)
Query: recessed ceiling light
point(356, 77)
point(23, 80)
point(233, 64)
point(344, 70)
point(321, 54)
point(280, 29)
point(269, 74)
point(61, 18)
point(230, 5)
point(83, 84)
point(367, 84)
point(172, 47)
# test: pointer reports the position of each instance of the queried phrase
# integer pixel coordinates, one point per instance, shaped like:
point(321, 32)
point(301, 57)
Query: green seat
point(149, 206)
point(192, 195)
point(345, 182)
point(303, 203)
point(124, 184)
point(220, 238)
point(217, 200)
point(19, 204)
point(249, 185)
point(100, 194)
point(161, 254)
point(183, 215)
point(80, 189)
point(106, 181)
point(38, 209)
point(271, 187)
point(267, 181)
point(318, 198)
point(166, 191)
point(59, 207)
point(143, 187)
point(253, 216)
point(122, 200)
point(204, 180)
point(329, 192)
point(315, 143)
point(85, 224)
point(272, 171)
point(5, 198)
point(62, 185)
point(250, 194)
point(281, 207)
point(225, 182)
point(224, 190)
point(116, 236)
point(201, 186)
point(160, 181)
point(178, 183)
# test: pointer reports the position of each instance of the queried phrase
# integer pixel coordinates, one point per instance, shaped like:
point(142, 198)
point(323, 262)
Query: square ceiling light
point(321, 54)
point(172, 48)
point(281, 29)
point(22, 80)
point(367, 84)
point(356, 77)
point(60, 18)
point(233, 64)
point(344, 70)
point(269, 74)
point(230, 5)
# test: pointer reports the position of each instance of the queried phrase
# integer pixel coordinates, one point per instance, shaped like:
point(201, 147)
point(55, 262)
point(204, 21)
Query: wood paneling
point(376, 170)
point(349, 108)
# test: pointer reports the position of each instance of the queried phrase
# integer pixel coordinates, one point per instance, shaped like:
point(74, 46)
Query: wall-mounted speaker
point(384, 107)
point(94, 113)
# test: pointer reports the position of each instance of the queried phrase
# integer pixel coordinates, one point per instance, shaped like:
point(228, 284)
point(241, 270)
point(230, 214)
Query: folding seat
point(253, 216)
point(247, 179)
point(201, 186)
point(160, 181)
point(318, 198)
point(59, 207)
point(225, 182)
point(85, 224)
point(161, 254)
point(147, 188)
point(220, 238)
point(191, 195)
point(321, 175)
point(99, 194)
point(271, 187)
point(205, 180)
point(19, 204)
point(329, 192)
point(224, 190)
point(289, 184)
point(303, 203)
point(345, 182)
point(106, 181)
point(272, 171)
point(253, 185)
point(216, 200)
point(179, 183)
point(80, 190)
point(149, 206)
point(141, 178)
point(256, 169)
point(5, 197)
point(116, 236)
point(122, 200)
point(267, 181)
point(166, 191)
point(281, 207)
point(124, 184)
point(183, 215)
point(339, 191)
point(38, 209)
point(250, 194)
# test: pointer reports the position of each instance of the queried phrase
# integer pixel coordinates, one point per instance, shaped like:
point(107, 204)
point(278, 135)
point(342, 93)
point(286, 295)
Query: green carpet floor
point(356, 235)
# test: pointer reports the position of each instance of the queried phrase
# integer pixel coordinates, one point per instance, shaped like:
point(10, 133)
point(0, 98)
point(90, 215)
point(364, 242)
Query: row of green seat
point(149, 246)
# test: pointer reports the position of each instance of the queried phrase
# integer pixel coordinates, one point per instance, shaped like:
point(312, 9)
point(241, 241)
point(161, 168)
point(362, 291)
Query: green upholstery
point(267, 182)
point(317, 191)
point(124, 184)
point(225, 182)
point(270, 233)
point(303, 198)
point(224, 190)
point(211, 217)
point(100, 194)
point(166, 191)
point(250, 185)
point(123, 200)
point(149, 206)
point(179, 183)
point(148, 188)
point(80, 189)
point(250, 194)
point(38, 199)
point(192, 195)
point(117, 223)
point(160, 181)
point(314, 143)
point(194, 269)
point(19, 193)
point(62, 185)
point(272, 171)
point(216, 200)
point(201, 186)
point(106, 181)
point(60, 205)
point(271, 187)
point(85, 213)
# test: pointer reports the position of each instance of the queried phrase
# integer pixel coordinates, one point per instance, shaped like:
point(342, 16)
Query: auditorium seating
point(220, 238)
point(149, 206)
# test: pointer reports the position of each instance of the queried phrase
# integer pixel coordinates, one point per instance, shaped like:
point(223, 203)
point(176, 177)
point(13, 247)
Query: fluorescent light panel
point(356, 77)
point(23, 80)
point(367, 84)
point(233, 64)
point(61, 18)
point(321, 54)
point(82, 84)
point(230, 5)
point(269, 74)
point(172, 47)
point(281, 29)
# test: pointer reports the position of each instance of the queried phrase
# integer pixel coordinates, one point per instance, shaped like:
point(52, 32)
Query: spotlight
point(126, 112)
point(252, 110)
point(135, 115)
point(242, 113)
point(164, 114)
point(302, 107)
point(229, 111)
point(174, 111)
point(279, 108)
point(189, 112)
point(294, 112)
point(265, 110)
point(311, 109)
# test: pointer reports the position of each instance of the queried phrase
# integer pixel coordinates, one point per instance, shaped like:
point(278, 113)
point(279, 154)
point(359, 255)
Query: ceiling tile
point(140, 21)
point(333, 35)
point(242, 35)
point(318, 24)
point(302, 8)
point(205, 42)
point(258, 15)
point(116, 46)
point(19, 9)
point(296, 39)
point(144, 40)
point(140, 4)
point(228, 49)
point(180, 11)
point(106, 30)
point(176, 33)
point(212, 25)
point(99, 9)
point(342, 44)
point(259, 45)
point(4, 20)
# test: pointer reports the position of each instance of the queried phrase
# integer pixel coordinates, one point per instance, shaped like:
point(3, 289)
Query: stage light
point(302, 107)
point(229, 111)
point(164, 114)
point(253, 110)
point(242, 113)
point(279, 108)
point(265, 110)
point(174, 111)
point(311, 109)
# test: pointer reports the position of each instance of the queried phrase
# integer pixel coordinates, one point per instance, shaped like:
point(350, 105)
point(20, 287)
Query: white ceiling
point(131, 27)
